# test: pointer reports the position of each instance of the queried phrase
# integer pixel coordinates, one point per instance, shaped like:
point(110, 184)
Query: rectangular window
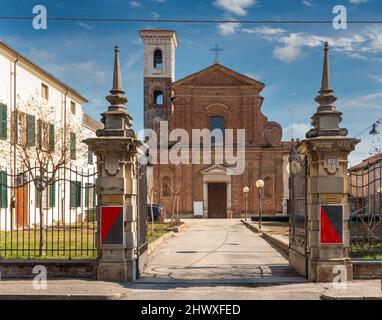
point(217, 124)
point(45, 135)
point(3, 121)
point(3, 190)
point(72, 107)
point(52, 194)
point(89, 195)
point(44, 91)
point(90, 157)
point(19, 122)
point(51, 138)
point(73, 146)
point(31, 130)
point(75, 194)
point(45, 203)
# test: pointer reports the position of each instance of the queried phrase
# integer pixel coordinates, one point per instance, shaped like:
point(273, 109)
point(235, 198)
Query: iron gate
point(365, 198)
point(297, 205)
point(48, 214)
point(142, 219)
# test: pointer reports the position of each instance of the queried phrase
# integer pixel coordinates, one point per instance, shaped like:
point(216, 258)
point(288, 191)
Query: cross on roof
point(217, 50)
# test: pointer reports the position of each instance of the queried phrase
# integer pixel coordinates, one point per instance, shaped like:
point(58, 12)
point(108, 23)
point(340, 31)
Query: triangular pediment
point(217, 169)
point(217, 76)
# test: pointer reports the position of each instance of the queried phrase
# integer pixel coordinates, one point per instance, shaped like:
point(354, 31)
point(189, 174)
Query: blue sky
point(287, 58)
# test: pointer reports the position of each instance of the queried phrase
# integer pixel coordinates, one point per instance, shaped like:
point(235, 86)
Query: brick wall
point(367, 269)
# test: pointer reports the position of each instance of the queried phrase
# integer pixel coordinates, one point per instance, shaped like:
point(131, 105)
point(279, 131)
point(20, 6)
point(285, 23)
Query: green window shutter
point(75, 194)
point(90, 157)
point(14, 125)
point(51, 137)
point(94, 196)
point(37, 198)
point(39, 133)
point(3, 122)
point(87, 191)
point(52, 195)
point(31, 131)
point(3, 190)
point(72, 145)
point(78, 194)
point(72, 194)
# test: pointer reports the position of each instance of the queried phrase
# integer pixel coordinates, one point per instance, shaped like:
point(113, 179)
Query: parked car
point(365, 217)
point(158, 211)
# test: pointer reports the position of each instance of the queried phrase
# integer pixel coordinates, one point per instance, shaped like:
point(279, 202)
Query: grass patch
point(159, 230)
point(372, 257)
point(73, 243)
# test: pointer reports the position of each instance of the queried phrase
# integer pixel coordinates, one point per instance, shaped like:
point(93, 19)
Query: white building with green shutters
point(40, 116)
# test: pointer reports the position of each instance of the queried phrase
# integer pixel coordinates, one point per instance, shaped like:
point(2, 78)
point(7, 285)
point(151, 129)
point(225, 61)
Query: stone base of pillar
point(324, 270)
point(297, 261)
point(117, 271)
point(143, 261)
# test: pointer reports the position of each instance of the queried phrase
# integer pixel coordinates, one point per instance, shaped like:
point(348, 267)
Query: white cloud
point(358, 1)
point(298, 131)
point(376, 78)
point(264, 30)
point(287, 53)
point(291, 44)
point(85, 26)
point(374, 34)
point(373, 100)
point(237, 7)
point(155, 15)
point(307, 3)
point(227, 29)
point(74, 73)
point(134, 4)
point(132, 59)
point(40, 55)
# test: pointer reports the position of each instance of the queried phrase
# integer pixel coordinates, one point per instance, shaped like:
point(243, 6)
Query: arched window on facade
point(158, 97)
point(268, 187)
point(158, 58)
point(217, 123)
point(166, 186)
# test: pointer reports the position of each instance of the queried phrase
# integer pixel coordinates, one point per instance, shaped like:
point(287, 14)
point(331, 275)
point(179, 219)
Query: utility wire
point(369, 127)
point(190, 20)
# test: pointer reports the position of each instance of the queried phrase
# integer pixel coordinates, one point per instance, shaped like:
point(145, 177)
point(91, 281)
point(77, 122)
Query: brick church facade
point(213, 97)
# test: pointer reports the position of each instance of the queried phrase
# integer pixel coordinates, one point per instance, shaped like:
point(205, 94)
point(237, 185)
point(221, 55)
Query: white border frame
point(111, 246)
point(319, 237)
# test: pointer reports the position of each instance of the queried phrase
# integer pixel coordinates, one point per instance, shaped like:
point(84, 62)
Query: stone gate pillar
point(117, 147)
point(327, 149)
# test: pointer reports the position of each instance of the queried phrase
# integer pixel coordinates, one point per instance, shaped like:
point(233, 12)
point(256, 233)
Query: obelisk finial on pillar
point(326, 120)
point(326, 85)
point(117, 121)
point(117, 96)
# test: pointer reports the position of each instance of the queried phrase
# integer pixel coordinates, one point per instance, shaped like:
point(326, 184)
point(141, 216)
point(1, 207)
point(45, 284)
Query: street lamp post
point(246, 190)
point(260, 186)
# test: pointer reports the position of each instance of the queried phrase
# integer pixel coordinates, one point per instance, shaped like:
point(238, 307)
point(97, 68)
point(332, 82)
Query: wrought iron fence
point(365, 197)
point(297, 201)
point(48, 213)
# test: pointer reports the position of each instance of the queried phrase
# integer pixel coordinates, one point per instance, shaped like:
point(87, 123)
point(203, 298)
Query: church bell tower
point(159, 72)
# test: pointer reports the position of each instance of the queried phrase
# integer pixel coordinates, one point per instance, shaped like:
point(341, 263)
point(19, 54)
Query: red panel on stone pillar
point(331, 225)
point(112, 225)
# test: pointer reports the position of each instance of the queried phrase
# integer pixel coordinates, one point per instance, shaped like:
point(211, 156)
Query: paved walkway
point(218, 251)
